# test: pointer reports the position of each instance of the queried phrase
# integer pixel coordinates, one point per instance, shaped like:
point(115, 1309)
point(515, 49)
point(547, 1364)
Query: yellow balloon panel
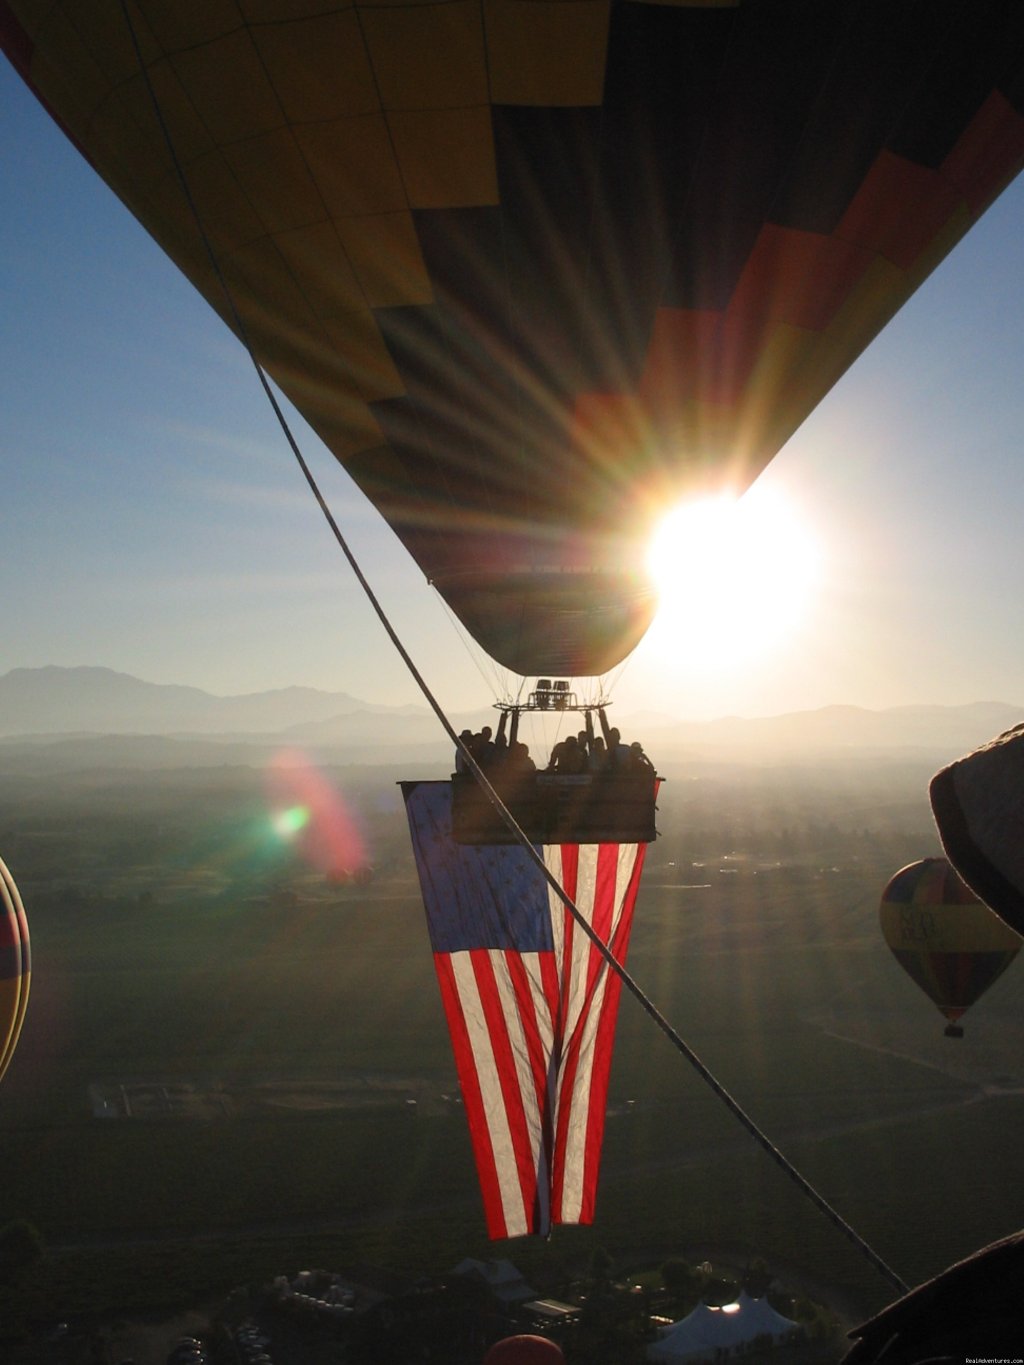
point(320, 68)
point(547, 55)
point(946, 929)
point(943, 937)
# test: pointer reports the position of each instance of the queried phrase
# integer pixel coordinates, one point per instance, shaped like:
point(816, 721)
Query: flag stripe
point(628, 870)
point(564, 1178)
point(573, 1176)
point(532, 1012)
point(496, 1055)
point(594, 1069)
point(472, 1097)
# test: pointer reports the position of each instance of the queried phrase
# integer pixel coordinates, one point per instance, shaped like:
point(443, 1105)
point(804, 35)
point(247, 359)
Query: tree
point(757, 1278)
point(677, 1276)
point(683, 1281)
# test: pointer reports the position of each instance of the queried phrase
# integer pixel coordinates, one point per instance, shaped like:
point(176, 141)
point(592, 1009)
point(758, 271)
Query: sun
point(735, 579)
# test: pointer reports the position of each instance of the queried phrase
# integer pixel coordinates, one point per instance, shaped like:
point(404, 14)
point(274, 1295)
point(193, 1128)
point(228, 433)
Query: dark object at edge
point(975, 1309)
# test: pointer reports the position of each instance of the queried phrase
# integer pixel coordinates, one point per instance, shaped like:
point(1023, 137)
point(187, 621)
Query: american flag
point(531, 1006)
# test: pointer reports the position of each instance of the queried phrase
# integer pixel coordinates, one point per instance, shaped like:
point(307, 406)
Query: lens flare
point(288, 822)
point(310, 811)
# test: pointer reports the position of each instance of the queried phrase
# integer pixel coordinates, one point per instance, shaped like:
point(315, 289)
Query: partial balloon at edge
point(15, 967)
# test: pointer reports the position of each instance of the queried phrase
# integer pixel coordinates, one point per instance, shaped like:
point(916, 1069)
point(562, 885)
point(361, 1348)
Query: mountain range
point(96, 715)
point(52, 701)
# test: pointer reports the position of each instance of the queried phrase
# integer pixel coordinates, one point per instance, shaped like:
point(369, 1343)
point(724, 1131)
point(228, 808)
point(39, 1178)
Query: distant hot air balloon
point(533, 270)
point(943, 937)
point(15, 970)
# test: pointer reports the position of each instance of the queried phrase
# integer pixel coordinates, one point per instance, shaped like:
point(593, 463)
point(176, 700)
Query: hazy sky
point(152, 519)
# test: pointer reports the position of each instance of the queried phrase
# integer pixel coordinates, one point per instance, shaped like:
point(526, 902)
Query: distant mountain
point(838, 730)
point(97, 716)
point(63, 701)
point(393, 728)
point(848, 729)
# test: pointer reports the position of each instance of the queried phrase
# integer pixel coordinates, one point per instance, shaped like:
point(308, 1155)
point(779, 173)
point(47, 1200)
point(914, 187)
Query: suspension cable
point(492, 796)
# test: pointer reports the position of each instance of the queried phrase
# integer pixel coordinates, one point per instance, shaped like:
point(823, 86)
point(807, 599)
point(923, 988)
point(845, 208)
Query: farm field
point(253, 1067)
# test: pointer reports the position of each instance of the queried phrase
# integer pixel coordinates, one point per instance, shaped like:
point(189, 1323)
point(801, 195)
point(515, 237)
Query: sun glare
point(735, 578)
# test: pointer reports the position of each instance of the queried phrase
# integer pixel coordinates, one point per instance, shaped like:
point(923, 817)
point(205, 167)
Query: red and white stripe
point(532, 1035)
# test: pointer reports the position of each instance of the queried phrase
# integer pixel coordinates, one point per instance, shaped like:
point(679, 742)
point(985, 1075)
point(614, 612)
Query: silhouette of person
point(501, 742)
point(484, 749)
point(461, 766)
point(638, 760)
point(573, 759)
point(520, 760)
point(618, 753)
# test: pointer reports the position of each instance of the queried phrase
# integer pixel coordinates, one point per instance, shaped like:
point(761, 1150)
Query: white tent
point(708, 1330)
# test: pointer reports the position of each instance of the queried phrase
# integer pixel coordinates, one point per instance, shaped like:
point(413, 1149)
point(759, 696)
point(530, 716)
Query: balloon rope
point(492, 796)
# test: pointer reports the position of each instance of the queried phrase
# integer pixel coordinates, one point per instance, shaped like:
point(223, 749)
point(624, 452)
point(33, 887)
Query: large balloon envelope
point(532, 269)
point(944, 938)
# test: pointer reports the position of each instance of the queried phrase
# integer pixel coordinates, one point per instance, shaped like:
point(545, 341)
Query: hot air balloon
point(944, 938)
point(15, 967)
point(532, 270)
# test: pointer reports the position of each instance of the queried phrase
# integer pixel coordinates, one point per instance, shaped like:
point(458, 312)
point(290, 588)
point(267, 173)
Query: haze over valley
point(229, 1041)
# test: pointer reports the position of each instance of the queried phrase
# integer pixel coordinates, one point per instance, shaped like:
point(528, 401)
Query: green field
point(162, 958)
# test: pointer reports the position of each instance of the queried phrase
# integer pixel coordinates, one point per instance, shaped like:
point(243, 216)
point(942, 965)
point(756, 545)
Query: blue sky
point(153, 521)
